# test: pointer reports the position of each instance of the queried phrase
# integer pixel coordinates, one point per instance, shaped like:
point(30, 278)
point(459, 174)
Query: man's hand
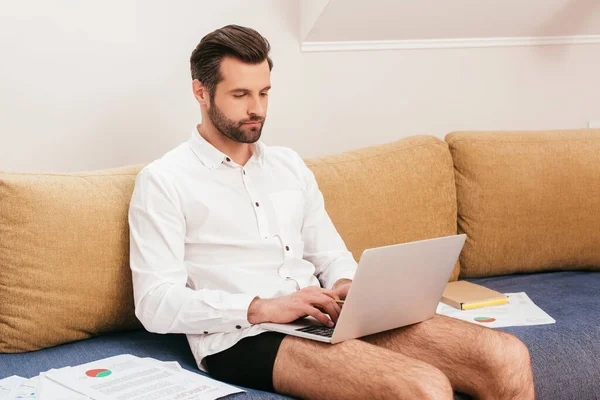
point(313, 301)
point(341, 288)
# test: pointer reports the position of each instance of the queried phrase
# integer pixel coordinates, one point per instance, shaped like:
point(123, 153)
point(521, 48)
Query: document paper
point(126, 377)
point(520, 311)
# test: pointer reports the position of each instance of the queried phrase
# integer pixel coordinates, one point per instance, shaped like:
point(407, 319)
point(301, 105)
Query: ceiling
point(380, 20)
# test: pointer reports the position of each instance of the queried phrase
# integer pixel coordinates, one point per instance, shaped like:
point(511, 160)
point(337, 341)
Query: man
point(227, 233)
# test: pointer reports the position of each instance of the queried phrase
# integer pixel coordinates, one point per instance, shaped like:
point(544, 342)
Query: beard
point(235, 131)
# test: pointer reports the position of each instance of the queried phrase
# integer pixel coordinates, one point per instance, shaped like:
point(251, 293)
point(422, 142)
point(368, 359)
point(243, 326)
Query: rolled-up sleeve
point(163, 302)
point(323, 245)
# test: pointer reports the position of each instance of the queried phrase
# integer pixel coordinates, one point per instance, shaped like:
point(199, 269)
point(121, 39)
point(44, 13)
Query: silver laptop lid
point(397, 285)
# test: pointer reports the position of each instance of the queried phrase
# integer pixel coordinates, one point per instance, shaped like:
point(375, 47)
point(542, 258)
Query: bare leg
point(353, 370)
point(478, 361)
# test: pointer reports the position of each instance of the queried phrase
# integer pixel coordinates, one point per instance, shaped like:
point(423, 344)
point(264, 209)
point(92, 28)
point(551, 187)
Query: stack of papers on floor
point(519, 311)
point(123, 377)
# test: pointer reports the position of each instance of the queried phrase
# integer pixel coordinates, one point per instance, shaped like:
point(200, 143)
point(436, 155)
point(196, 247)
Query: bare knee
point(424, 381)
point(510, 369)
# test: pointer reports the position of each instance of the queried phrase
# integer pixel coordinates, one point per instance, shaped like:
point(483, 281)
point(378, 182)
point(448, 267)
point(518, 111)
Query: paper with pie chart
point(134, 378)
point(520, 311)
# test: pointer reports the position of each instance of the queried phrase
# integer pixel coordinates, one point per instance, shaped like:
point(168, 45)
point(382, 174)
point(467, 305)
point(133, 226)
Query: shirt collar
point(259, 152)
point(213, 157)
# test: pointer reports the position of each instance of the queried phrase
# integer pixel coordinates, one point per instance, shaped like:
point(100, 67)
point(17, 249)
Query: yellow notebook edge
point(480, 304)
point(451, 303)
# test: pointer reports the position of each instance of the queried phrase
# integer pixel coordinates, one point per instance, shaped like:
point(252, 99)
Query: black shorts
point(248, 363)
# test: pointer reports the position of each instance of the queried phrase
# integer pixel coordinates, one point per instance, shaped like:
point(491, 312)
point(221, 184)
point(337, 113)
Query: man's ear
point(201, 93)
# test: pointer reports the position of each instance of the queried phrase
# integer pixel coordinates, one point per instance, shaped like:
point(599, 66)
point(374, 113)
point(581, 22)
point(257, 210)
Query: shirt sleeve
point(323, 245)
point(163, 302)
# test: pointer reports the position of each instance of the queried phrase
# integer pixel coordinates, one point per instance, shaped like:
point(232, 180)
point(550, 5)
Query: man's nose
point(256, 108)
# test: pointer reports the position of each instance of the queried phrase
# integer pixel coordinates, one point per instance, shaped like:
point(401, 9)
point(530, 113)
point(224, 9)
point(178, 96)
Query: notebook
point(466, 295)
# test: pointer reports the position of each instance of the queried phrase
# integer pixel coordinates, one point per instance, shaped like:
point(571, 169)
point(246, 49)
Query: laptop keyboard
point(317, 330)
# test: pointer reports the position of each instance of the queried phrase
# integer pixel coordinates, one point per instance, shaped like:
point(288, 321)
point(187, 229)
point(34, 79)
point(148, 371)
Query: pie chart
point(485, 320)
point(98, 373)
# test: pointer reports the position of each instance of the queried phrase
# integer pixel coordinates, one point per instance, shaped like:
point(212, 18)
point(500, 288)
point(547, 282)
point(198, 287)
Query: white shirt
point(208, 235)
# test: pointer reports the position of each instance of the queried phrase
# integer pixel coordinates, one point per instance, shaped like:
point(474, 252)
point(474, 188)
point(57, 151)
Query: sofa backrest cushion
point(391, 193)
point(64, 238)
point(64, 257)
point(528, 201)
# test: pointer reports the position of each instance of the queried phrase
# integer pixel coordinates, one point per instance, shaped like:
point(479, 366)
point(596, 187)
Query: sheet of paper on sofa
point(7, 385)
point(133, 378)
point(43, 388)
point(520, 311)
point(47, 389)
point(26, 389)
point(123, 376)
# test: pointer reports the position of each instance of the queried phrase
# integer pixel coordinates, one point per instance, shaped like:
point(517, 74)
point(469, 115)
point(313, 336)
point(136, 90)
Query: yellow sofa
point(529, 203)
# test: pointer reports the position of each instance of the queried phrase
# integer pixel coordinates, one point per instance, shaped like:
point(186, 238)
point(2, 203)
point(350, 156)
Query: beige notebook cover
point(465, 295)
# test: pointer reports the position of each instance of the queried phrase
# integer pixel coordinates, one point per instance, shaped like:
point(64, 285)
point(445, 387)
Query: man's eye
point(239, 96)
point(264, 94)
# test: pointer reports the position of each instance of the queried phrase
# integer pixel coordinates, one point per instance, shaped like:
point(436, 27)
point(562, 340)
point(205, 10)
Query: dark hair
point(240, 42)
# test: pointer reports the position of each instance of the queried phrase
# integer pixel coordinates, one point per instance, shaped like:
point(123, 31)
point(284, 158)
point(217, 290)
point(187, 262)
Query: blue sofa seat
point(565, 355)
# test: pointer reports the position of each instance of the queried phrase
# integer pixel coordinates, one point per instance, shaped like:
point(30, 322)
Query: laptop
point(394, 286)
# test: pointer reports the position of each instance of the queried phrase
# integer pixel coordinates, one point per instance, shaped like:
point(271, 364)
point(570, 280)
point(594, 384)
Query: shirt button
point(244, 172)
point(228, 159)
point(257, 205)
point(205, 332)
point(287, 248)
point(238, 327)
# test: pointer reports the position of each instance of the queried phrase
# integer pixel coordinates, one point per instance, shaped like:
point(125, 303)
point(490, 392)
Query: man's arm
point(338, 284)
point(323, 245)
point(313, 301)
point(163, 303)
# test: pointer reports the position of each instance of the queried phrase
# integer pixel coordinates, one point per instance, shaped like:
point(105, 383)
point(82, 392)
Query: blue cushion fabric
point(564, 355)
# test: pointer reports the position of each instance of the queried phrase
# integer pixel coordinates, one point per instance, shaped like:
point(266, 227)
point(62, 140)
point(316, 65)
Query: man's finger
point(331, 294)
point(328, 305)
point(315, 313)
point(332, 309)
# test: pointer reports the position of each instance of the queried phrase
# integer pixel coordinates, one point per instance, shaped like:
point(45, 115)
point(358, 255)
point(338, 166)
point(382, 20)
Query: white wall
point(435, 19)
point(90, 85)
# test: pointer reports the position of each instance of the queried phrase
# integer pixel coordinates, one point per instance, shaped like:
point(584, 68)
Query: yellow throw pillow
point(528, 201)
point(64, 257)
point(391, 193)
